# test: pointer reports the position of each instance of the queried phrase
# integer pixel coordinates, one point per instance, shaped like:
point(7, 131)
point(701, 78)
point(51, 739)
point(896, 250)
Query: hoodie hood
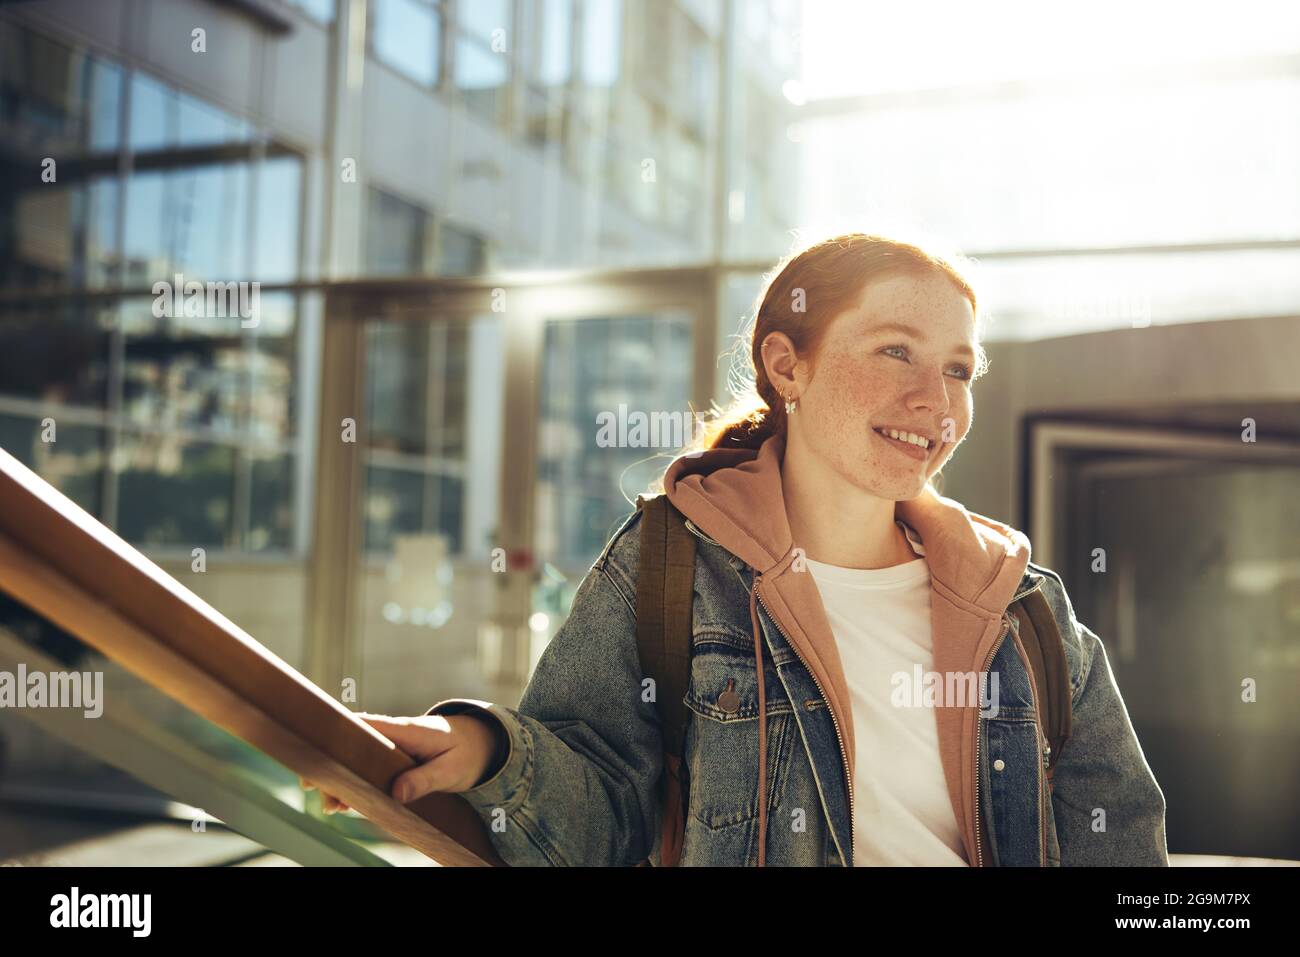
point(735, 497)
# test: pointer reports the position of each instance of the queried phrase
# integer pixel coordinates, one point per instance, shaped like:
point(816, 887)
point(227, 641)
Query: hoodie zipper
point(979, 722)
point(834, 721)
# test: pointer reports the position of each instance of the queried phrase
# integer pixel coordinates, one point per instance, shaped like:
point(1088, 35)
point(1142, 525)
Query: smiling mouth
point(919, 441)
point(908, 448)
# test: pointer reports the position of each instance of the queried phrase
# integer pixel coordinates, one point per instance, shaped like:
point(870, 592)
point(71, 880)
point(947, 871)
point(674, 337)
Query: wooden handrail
point(70, 569)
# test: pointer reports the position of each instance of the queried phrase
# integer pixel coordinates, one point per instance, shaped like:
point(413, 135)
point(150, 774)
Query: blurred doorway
point(1181, 550)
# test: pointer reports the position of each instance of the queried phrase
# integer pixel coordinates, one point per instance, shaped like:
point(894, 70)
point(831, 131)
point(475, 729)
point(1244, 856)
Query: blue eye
point(966, 371)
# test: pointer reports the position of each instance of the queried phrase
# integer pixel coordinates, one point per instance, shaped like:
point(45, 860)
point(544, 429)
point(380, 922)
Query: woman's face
point(870, 374)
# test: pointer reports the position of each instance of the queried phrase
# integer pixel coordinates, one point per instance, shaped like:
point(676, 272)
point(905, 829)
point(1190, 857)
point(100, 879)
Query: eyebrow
point(916, 333)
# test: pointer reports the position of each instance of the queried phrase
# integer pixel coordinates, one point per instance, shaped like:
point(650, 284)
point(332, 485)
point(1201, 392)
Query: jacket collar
point(976, 563)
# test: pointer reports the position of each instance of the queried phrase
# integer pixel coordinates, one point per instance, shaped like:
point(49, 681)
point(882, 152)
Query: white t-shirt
point(902, 815)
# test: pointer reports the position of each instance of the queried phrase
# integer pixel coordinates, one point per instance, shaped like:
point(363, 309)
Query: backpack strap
point(1041, 637)
point(665, 591)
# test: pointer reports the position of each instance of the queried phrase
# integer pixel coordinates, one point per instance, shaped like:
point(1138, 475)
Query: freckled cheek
point(861, 389)
point(846, 393)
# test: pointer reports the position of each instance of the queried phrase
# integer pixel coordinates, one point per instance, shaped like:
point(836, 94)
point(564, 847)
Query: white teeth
point(911, 437)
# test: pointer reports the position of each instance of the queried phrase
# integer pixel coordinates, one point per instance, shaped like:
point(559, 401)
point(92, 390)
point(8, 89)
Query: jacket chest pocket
point(722, 733)
point(1014, 788)
point(1012, 766)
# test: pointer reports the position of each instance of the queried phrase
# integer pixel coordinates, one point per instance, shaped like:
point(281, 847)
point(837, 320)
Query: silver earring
point(791, 405)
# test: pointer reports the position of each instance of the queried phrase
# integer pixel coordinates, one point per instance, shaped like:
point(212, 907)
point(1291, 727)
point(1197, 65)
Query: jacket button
point(999, 764)
point(729, 701)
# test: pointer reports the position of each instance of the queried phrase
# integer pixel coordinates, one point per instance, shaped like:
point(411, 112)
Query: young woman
point(833, 587)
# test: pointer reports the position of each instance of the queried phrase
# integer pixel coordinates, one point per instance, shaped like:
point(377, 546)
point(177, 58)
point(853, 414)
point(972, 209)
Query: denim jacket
point(580, 784)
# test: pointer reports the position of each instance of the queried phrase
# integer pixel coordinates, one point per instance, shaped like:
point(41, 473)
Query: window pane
point(47, 78)
point(481, 76)
point(55, 354)
point(397, 386)
point(174, 493)
point(463, 252)
point(183, 372)
point(322, 10)
point(105, 106)
point(153, 113)
point(206, 209)
point(200, 124)
point(396, 234)
point(601, 41)
point(455, 386)
point(393, 505)
point(273, 365)
point(692, 75)
point(419, 379)
point(450, 493)
point(270, 518)
point(193, 221)
point(557, 19)
point(406, 37)
point(57, 236)
point(606, 370)
point(482, 17)
point(38, 242)
point(102, 204)
point(145, 253)
point(278, 192)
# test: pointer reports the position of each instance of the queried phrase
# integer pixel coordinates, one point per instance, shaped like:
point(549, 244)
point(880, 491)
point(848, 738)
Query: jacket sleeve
point(1109, 809)
point(579, 786)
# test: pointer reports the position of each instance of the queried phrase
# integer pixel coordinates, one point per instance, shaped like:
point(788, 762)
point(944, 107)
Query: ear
point(781, 360)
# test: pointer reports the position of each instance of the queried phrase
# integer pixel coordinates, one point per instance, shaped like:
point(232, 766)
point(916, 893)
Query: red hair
point(830, 276)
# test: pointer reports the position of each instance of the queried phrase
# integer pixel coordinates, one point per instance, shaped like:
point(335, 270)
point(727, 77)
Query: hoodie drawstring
point(762, 727)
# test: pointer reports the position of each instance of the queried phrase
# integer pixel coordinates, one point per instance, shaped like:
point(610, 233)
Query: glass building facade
point(306, 144)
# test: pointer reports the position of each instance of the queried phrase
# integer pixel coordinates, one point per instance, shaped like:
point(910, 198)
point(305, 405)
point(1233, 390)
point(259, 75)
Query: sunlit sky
point(868, 46)
point(1117, 158)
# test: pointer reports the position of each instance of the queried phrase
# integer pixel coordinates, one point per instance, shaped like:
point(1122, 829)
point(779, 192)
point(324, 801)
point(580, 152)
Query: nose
point(929, 391)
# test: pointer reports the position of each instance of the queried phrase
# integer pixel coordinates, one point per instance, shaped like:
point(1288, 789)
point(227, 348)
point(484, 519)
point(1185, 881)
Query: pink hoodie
point(734, 496)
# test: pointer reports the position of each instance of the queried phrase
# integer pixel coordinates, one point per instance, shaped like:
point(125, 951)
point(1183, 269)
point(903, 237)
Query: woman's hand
point(452, 753)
